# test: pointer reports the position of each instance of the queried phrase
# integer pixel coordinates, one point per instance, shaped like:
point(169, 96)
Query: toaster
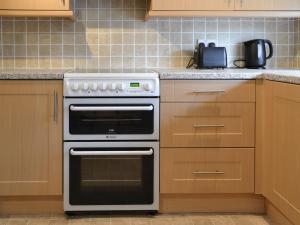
point(210, 57)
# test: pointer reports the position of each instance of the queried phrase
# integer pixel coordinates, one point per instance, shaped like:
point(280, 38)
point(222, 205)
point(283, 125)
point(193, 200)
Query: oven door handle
point(108, 153)
point(111, 108)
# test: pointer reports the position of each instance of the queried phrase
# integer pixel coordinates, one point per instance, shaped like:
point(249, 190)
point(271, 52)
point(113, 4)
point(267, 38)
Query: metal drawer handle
point(111, 108)
point(55, 108)
point(109, 153)
point(209, 92)
point(208, 173)
point(209, 126)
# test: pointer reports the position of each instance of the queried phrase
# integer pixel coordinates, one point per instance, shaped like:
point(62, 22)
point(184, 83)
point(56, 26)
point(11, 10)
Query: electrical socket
point(206, 42)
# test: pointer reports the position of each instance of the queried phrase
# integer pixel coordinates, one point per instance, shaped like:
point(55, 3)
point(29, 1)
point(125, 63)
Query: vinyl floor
point(176, 219)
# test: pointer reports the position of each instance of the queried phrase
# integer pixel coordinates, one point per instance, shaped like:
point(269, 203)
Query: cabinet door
point(282, 152)
point(185, 5)
point(35, 5)
point(31, 138)
point(206, 170)
point(267, 5)
point(207, 124)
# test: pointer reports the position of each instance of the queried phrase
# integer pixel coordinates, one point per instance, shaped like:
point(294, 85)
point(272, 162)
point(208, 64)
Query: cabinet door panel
point(31, 138)
point(282, 154)
point(182, 5)
point(207, 91)
point(200, 170)
point(35, 5)
point(267, 5)
point(207, 124)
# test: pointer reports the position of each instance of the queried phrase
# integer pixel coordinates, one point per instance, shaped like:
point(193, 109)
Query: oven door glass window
point(111, 119)
point(117, 176)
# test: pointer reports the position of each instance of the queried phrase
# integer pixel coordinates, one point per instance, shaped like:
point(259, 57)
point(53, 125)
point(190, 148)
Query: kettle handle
point(271, 48)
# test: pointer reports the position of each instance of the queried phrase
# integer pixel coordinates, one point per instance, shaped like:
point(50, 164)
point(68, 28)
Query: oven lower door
point(111, 176)
point(111, 119)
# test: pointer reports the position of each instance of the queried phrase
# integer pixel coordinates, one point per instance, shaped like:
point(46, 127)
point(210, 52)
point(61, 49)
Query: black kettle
point(255, 53)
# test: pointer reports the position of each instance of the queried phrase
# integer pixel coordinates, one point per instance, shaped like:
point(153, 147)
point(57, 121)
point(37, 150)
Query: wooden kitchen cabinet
point(31, 138)
point(267, 5)
point(281, 152)
point(224, 8)
point(207, 91)
point(207, 170)
point(192, 5)
point(60, 8)
point(207, 124)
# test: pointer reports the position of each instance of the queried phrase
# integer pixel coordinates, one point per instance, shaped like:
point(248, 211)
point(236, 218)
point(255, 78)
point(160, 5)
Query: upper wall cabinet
point(56, 8)
point(267, 5)
point(231, 8)
point(193, 5)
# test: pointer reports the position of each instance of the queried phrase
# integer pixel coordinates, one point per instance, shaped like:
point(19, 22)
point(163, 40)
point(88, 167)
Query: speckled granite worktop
point(31, 75)
point(282, 75)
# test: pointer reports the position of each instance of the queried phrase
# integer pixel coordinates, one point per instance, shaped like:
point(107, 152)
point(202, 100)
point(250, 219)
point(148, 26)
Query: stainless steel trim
point(111, 108)
point(208, 126)
point(107, 153)
point(111, 101)
point(209, 92)
point(70, 145)
point(207, 173)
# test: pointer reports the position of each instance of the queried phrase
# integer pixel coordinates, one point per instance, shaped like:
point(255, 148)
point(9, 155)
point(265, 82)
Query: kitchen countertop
point(31, 75)
point(282, 75)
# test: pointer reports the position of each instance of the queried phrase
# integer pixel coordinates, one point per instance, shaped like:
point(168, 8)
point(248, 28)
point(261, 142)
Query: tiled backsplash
point(297, 44)
point(113, 34)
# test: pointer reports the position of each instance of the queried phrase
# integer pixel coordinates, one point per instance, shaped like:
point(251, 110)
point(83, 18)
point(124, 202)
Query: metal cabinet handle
point(55, 107)
point(229, 3)
point(111, 108)
point(242, 2)
point(209, 92)
point(208, 173)
point(208, 125)
point(109, 153)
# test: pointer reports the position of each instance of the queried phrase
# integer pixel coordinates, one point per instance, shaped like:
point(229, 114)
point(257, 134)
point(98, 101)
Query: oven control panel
point(104, 85)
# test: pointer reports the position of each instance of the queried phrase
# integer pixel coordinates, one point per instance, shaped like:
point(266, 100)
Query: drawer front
point(207, 124)
point(207, 91)
point(198, 170)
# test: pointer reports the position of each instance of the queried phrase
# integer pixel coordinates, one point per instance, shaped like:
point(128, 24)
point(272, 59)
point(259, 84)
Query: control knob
point(75, 86)
point(93, 86)
point(148, 86)
point(112, 86)
point(121, 86)
point(102, 86)
point(85, 86)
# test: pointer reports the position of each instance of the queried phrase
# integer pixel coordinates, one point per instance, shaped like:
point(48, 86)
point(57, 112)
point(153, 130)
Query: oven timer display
point(135, 85)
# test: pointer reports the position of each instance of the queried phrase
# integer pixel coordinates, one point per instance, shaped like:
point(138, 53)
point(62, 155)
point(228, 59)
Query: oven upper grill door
point(106, 119)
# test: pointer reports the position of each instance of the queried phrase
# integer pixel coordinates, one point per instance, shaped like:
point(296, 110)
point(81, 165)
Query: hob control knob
point(102, 86)
point(93, 86)
point(75, 86)
point(112, 86)
point(85, 86)
point(148, 87)
point(121, 86)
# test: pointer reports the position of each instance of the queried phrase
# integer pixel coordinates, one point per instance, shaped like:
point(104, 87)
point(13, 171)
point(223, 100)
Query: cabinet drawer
point(198, 170)
point(207, 91)
point(207, 124)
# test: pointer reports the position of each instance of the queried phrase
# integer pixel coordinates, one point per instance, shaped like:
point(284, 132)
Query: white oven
point(111, 142)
